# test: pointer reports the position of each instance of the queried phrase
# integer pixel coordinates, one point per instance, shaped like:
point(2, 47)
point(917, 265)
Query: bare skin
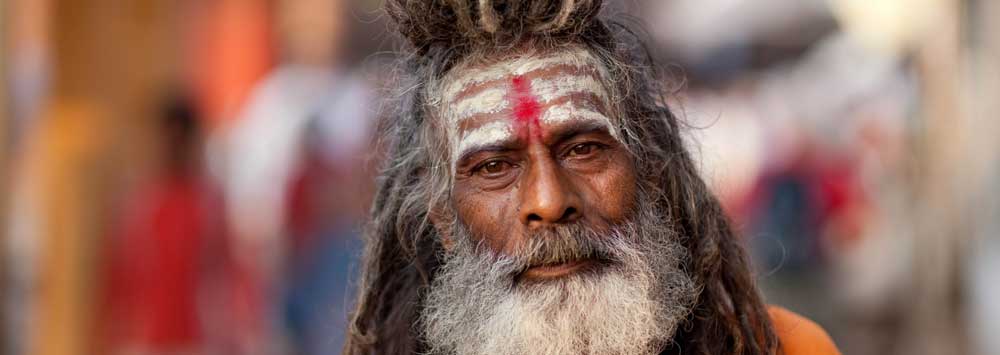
point(560, 163)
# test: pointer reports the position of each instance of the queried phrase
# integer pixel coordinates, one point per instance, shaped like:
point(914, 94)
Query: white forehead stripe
point(491, 133)
point(491, 100)
point(520, 66)
point(494, 99)
point(553, 88)
point(567, 111)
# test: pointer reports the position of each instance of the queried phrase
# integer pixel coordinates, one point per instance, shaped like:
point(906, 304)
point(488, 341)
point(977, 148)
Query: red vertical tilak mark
point(526, 108)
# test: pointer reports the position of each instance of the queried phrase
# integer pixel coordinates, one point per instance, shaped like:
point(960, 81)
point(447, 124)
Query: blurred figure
point(799, 202)
point(295, 177)
point(162, 258)
point(321, 244)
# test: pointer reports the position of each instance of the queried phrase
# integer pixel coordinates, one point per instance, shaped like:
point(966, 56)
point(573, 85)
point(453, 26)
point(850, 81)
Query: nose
point(547, 197)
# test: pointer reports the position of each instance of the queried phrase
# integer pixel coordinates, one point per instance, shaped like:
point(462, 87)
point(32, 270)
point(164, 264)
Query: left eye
point(582, 149)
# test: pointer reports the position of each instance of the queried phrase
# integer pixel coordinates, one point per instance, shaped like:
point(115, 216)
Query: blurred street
point(192, 176)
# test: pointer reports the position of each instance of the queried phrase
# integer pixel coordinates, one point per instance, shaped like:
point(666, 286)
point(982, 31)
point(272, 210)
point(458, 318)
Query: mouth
point(557, 270)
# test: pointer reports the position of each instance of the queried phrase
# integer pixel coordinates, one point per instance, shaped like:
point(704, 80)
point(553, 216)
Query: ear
point(443, 223)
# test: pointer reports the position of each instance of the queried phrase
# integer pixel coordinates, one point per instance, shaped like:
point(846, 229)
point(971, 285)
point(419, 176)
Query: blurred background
point(190, 176)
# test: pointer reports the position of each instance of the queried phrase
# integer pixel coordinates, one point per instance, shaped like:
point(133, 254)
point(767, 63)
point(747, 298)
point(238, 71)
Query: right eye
point(492, 168)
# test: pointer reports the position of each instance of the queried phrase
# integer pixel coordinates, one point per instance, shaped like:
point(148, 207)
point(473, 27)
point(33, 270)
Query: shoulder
point(800, 336)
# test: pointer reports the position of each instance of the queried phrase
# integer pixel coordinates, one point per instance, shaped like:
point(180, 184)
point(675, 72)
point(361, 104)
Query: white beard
point(632, 307)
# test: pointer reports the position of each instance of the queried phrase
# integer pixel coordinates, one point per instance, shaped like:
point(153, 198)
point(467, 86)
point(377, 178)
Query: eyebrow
point(562, 133)
point(573, 128)
point(496, 147)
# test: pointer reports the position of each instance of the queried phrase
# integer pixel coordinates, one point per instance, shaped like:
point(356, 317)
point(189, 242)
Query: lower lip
point(548, 272)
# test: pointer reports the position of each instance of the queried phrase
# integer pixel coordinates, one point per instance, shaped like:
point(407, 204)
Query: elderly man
point(537, 199)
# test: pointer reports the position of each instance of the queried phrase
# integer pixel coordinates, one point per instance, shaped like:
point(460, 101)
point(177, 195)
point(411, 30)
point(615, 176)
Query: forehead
point(505, 100)
point(468, 76)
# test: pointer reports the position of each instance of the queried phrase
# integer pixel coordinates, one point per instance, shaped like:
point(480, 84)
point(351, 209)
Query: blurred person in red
point(168, 246)
point(295, 178)
point(321, 248)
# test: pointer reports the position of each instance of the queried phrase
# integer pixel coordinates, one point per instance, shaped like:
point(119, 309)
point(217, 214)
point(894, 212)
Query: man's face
point(576, 259)
point(534, 147)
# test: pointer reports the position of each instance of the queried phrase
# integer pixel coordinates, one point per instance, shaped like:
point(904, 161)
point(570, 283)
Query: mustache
point(567, 243)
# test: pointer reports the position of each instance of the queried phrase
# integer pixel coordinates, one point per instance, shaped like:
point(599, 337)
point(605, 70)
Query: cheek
point(487, 215)
point(611, 193)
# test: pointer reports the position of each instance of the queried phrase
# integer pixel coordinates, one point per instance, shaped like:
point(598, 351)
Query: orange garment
point(800, 336)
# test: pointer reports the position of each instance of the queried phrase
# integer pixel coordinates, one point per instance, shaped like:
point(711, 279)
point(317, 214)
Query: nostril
point(568, 214)
point(534, 218)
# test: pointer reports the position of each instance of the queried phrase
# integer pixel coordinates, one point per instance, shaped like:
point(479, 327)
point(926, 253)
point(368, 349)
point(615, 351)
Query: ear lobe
point(442, 222)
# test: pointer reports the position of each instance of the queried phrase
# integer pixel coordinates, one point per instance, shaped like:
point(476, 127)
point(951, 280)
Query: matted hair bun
point(460, 24)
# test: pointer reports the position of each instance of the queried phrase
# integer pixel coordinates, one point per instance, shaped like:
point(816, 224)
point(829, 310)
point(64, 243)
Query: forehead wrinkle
point(496, 99)
point(574, 110)
point(474, 82)
point(567, 112)
point(492, 100)
point(473, 122)
point(469, 76)
point(554, 88)
point(587, 101)
point(547, 72)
